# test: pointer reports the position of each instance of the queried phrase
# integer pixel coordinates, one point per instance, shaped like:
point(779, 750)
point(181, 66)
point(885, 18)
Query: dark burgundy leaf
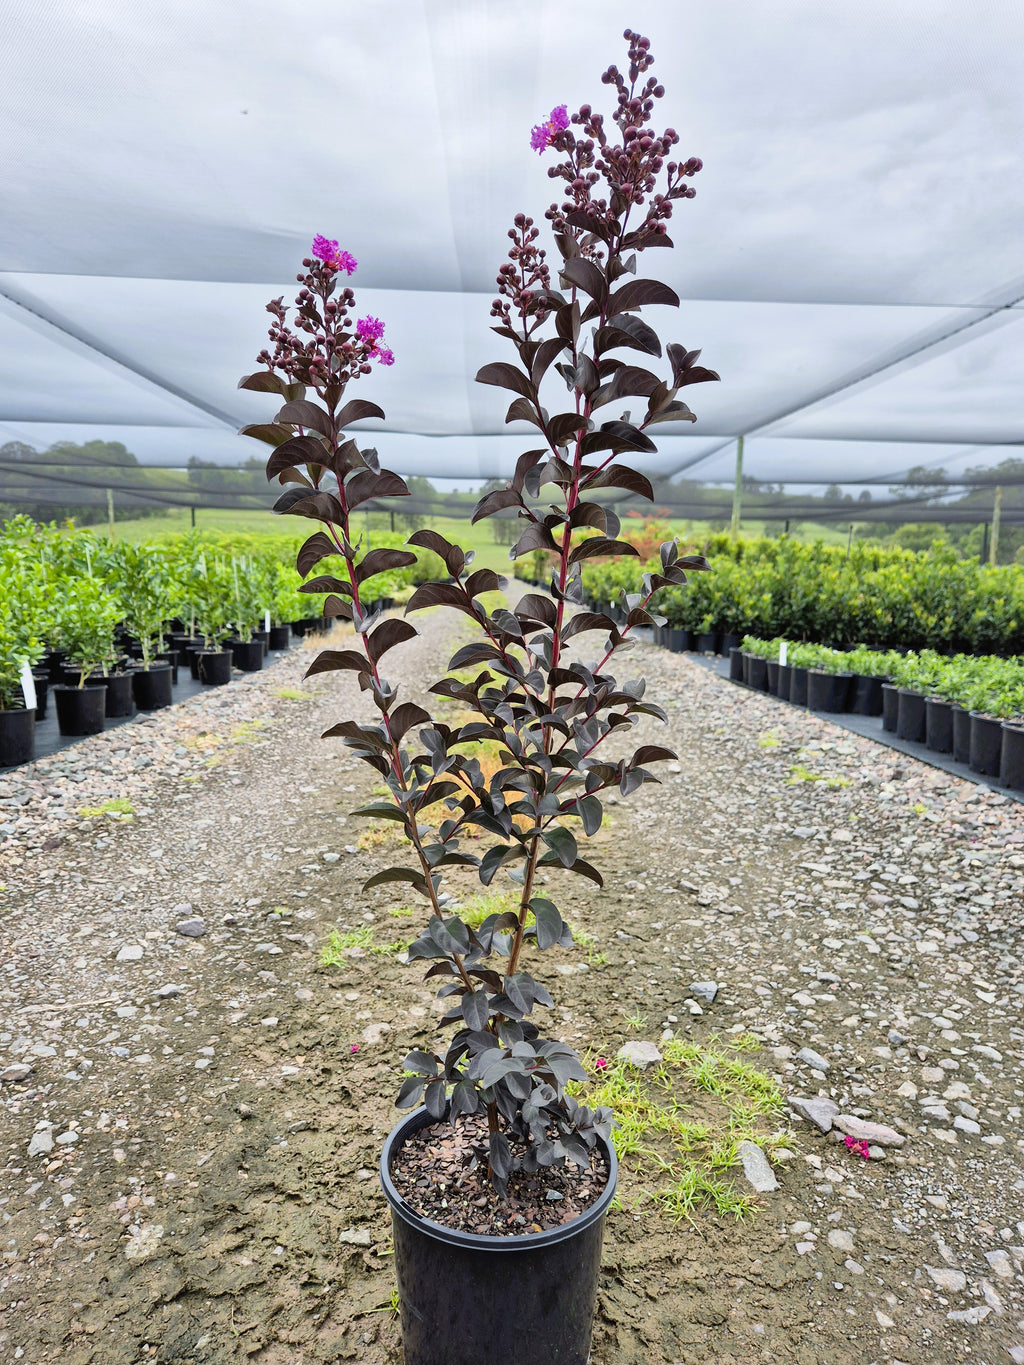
point(302, 413)
point(522, 410)
point(564, 425)
point(463, 1100)
point(626, 330)
point(379, 561)
point(410, 1092)
point(499, 1155)
point(317, 547)
point(333, 660)
point(616, 436)
point(586, 620)
point(697, 375)
point(546, 352)
point(506, 377)
point(357, 410)
point(675, 412)
point(585, 275)
point(321, 506)
point(637, 293)
point(404, 717)
point(549, 922)
point(366, 484)
point(269, 432)
point(296, 451)
point(533, 607)
point(601, 545)
point(620, 476)
point(396, 874)
point(388, 634)
point(651, 753)
point(438, 595)
point(435, 1098)
point(326, 583)
point(263, 381)
point(535, 537)
point(484, 580)
point(334, 606)
point(474, 1009)
point(495, 502)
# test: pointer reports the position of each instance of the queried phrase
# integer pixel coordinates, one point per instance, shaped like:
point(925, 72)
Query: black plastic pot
point(745, 659)
point(247, 655)
point(469, 1299)
point(798, 685)
point(679, 641)
point(826, 691)
point(119, 694)
point(864, 695)
point(729, 643)
point(171, 657)
point(1011, 762)
point(890, 706)
point(785, 681)
point(736, 664)
point(80, 710)
point(910, 715)
point(17, 737)
point(151, 687)
point(279, 637)
point(961, 735)
point(758, 673)
point(264, 638)
point(938, 725)
point(773, 676)
point(986, 744)
point(298, 628)
point(41, 678)
point(707, 643)
point(213, 667)
point(55, 664)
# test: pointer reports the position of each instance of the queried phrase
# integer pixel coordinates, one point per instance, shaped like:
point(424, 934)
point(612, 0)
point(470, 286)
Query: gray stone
point(167, 992)
point(999, 1263)
point(871, 1132)
point(41, 1143)
point(704, 990)
point(641, 1054)
point(756, 1168)
point(191, 928)
point(357, 1237)
point(840, 1239)
point(820, 1110)
point(812, 1059)
point(67, 1139)
point(129, 952)
point(952, 1280)
point(17, 1071)
point(964, 1125)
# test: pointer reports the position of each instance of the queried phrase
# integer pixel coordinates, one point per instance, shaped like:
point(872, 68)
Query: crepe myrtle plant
point(546, 709)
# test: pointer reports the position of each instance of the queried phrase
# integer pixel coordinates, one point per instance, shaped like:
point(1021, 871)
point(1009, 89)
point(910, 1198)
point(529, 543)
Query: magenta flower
point(370, 329)
point(385, 356)
point(600, 1064)
point(353, 1047)
point(858, 1145)
point(543, 134)
point(327, 251)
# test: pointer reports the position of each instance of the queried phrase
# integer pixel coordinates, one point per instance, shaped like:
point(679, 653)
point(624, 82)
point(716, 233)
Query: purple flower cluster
point(543, 134)
point(327, 251)
point(370, 330)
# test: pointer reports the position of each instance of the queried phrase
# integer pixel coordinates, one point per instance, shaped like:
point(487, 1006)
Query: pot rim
point(479, 1241)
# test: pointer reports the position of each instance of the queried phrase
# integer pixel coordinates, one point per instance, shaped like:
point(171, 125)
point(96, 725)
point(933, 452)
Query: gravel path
point(191, 1106)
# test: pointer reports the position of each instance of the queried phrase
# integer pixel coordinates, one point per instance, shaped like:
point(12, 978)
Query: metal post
point(110, 512)
point(849, 542)
point(192, 509)
point(984, 543)
point(737, 494)
point(997, 509)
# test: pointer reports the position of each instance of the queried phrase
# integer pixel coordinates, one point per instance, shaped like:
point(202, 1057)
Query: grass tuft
point(119, 806)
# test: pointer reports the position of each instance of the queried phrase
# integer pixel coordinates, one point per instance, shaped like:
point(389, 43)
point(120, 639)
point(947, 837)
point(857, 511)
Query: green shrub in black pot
point(502, 1268)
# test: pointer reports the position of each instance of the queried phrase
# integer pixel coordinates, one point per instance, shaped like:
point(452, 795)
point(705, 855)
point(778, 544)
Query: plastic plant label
point(783, 652)
point(266, 620)
point(28, 687)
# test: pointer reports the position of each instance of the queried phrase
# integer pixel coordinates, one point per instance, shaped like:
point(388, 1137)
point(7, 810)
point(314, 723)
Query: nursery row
point(887, 598)
point(967, 706)
point(97, 604)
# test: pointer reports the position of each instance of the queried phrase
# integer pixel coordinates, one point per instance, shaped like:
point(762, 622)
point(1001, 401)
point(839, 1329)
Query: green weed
point(333, 953)
point(119, 806)
point(799, 773)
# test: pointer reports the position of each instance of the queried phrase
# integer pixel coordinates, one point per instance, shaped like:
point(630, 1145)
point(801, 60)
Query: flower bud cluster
point(333, 351)
point(523, 281)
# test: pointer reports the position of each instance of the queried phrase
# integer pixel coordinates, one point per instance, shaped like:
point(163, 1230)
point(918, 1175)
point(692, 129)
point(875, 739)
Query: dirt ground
point(217, 1104)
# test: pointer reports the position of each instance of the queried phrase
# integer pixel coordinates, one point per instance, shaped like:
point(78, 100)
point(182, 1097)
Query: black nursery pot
point(785, 681)
point(247, 655)
point(80, 710)
point(826, 691)
point(729, 643)
point(986, 744)
point(469, 1299)
point(151, 687)
point(42, 682)
point(758, 673)
point(735, 664)
point(1011, 764)
point(890, 706)
point(938, 725)
point(279, 637)
point(798, 685)
point(910, 715)
point(17, 737)
point(679, 641)
point(119, 694)
point(745, 659)
point(264, 638)
point(865, 697)
point(707, 644)
point(171, 657)
point(773, 676)
point(213, 667)
point(961, 735)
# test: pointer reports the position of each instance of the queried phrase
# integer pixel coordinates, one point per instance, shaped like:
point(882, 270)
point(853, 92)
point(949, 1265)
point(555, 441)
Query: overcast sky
point(166, 166)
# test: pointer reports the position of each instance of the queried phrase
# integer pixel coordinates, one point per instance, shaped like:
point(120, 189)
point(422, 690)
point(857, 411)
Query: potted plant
point(20, 645)
point(211, 595)
point(87, 620)
point(143, 585)
point(512, 1278)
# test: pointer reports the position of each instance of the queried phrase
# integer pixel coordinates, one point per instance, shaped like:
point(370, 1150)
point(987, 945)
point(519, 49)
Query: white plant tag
point(783, 652)
point(266, 620)
point(28, 687)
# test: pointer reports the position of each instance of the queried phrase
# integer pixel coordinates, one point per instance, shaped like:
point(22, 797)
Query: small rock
point(191, 928)
point(41, 1143)
point(999, 1263)
point(953, 1280)
point(129, 952)
point(704, 990)
point(803, 1248)
point(332, 857)
point(970, 1315)
point(756, 1168)
point(641, 1054)
point(894, 1038)
point(17, 1071)
point(871, 1132)
point(820, 1110)
point(840, 1239)
point(884, 1320)
point(67, 1139)
point(965, 1125)
point(809, 1057)
point(357, 1237)
point(143, 1242)
point(167, 992)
